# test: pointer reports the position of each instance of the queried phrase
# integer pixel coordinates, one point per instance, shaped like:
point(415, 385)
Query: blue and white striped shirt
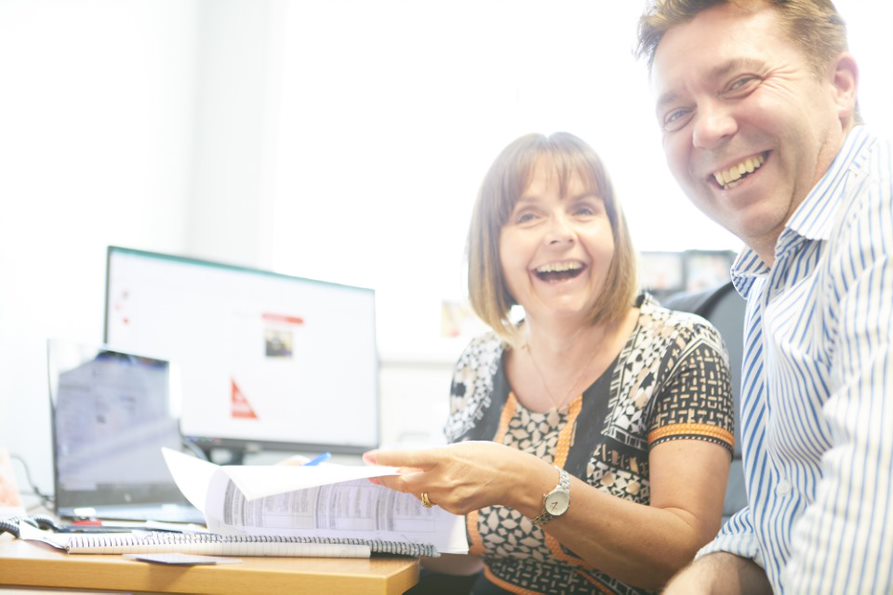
point(817, 387)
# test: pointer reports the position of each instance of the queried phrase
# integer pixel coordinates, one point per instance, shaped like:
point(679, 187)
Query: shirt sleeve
point(472, 385)
point(842, 544)
point(736, 537)
point(695, 401)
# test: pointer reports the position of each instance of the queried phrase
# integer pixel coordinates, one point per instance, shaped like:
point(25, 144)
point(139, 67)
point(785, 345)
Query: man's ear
point(845, 79)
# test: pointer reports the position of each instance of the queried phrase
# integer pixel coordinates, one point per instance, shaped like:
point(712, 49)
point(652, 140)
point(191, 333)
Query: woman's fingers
point(419, 459)
point(415, 480)
point(415, 470)
point(459, 478)
point(407, 481)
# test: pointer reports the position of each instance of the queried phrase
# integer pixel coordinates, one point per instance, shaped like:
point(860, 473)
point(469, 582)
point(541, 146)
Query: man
point(757, 103)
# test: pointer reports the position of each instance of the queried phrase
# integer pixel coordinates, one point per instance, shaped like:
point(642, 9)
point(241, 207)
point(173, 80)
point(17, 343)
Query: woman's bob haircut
point(505, 182)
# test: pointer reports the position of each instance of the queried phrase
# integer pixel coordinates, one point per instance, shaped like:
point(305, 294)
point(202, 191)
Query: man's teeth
point(735, 172)
point(559, 267)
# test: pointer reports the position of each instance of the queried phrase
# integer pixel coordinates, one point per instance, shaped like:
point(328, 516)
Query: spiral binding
point(377, 546)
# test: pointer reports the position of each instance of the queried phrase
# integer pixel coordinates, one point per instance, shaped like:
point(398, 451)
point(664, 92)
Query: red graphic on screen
point(241, 408)
point(282, 319)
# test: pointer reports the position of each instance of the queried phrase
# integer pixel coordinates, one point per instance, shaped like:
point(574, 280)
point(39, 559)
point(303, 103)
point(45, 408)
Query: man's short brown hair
point(814, 25)
point(507, 179)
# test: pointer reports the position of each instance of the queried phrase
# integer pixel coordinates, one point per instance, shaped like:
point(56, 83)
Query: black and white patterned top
point(670, 381)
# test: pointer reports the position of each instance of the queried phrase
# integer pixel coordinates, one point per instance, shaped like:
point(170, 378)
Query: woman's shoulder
point(472, 385)
point(682, 326)
point(482, 351)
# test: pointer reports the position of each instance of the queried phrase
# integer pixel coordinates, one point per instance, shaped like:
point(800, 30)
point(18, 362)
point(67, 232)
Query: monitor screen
point(707, 269)
point(111, 416)
point(264, 359)
point(662, 273)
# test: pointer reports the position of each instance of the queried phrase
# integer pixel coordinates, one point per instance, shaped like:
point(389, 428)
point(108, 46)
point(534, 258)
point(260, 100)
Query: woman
point(592, 438)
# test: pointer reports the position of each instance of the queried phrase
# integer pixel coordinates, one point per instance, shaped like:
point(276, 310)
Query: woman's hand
point(459, 478)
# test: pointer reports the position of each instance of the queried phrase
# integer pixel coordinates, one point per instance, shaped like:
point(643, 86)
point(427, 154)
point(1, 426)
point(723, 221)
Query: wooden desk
point(30, 564)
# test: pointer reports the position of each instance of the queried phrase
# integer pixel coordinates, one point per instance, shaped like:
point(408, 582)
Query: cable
point(195, 449)
point(45, 499)
point(10, 526)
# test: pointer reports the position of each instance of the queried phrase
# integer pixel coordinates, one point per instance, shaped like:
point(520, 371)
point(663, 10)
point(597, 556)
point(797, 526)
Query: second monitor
point(266, 360)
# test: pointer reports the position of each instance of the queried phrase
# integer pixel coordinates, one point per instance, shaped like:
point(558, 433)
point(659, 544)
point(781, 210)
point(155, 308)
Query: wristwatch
point(556, 502)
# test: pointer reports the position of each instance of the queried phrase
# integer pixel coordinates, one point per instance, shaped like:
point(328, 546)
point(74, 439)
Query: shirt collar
point(814, 218)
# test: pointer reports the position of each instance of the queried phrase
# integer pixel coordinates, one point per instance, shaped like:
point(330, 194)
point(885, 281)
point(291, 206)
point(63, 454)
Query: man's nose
point(713, 125)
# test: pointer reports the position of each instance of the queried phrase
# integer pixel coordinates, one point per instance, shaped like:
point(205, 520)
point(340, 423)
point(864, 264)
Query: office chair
point(723, 307)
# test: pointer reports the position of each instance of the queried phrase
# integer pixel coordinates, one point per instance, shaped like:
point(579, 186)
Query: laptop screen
point(111, 413)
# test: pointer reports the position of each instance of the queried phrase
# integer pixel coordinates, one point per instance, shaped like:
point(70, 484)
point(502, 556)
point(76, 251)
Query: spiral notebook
point(225, 545)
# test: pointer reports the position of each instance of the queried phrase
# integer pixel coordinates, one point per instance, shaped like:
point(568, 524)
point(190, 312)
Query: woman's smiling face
point(556, 249)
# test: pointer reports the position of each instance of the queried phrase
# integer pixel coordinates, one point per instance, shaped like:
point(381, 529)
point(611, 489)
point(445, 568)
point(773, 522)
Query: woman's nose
point(560, 230)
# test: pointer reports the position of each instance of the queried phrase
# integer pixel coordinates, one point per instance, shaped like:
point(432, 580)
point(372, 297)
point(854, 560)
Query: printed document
point(326, 501)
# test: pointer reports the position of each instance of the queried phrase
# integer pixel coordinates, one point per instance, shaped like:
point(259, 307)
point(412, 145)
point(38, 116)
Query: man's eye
point(741, 84)
point(676, 119)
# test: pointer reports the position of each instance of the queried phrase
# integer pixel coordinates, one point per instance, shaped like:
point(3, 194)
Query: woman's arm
point(720, 573)
point(646, 545)
point(638, 544)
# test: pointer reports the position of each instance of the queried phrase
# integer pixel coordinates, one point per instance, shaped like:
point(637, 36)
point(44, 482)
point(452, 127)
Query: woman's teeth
point(559, 270)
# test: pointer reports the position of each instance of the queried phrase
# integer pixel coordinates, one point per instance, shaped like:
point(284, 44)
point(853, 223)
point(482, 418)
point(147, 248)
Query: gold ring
point(426, 501)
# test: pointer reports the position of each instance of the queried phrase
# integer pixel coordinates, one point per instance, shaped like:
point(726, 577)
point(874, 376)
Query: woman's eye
point(588, 208)
point(524, 217)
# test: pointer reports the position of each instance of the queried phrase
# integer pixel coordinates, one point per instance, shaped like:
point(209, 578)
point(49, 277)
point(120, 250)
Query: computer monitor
point(266, 360)
point(662, 273)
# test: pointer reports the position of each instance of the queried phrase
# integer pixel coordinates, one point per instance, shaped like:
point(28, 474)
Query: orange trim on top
point(476, 547)
point(472, 518)
point(562, 449)
point(508, 412)
point(692, 430)
point(566, 437)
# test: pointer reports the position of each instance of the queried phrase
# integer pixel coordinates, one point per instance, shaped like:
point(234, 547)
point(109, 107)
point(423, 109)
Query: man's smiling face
point(748, 127)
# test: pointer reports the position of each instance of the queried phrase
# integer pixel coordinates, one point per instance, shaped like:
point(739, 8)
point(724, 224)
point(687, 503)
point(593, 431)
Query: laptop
point(112, 412)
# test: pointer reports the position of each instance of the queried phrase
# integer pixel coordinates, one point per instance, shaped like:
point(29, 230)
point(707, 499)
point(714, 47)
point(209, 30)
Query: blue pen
point(319, 459)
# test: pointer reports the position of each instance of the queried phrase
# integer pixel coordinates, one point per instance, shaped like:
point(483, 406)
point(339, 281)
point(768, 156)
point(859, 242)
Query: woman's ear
point(846, 83)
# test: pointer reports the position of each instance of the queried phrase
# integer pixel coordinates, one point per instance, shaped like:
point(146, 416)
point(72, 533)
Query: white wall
point(235, 123)
point(97, 115)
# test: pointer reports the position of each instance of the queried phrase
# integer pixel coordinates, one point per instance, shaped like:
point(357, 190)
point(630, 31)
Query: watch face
point(557, 503)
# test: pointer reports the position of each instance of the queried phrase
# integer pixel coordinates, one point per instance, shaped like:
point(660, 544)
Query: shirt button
point(783, 488)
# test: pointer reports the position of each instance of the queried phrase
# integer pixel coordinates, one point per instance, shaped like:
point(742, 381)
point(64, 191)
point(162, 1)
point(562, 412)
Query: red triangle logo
point(240, 407)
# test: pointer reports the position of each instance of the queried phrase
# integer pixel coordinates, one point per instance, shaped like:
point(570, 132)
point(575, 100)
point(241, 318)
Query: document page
point(326, 501)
